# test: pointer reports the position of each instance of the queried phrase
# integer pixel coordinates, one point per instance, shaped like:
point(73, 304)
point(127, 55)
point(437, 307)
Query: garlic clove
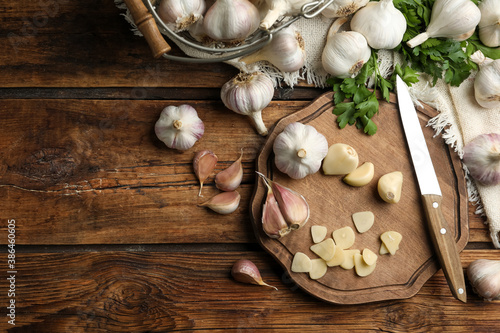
point(245, 271)
point(204, 163)
point(361, 176)
point(292, 205)
point(390, 186)
point(299, 150)
point(230, 178)
point(248, 94)
point(181, 14)
point(484, 276)
point(223, 203)
point(273, 222)
point(341, 159)
point(179, 127)
point(453, 19)
point(482, 158)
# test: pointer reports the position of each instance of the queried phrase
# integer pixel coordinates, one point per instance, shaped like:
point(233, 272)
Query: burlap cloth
point(460, 118)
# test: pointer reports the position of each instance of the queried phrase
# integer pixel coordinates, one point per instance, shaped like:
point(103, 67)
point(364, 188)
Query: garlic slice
point(325, 250)
point(361, 267)
point(318, 269)
point(301, 263)
point(363, 221)
point(318, 233)
point(361, 176)
point(344, 237)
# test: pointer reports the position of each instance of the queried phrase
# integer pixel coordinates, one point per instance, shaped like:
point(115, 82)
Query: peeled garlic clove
point(286, 51)
point(390, 186)
point(223, 203)
point(361, 176)
point(341, 159)
point(179, 127)
point(292, 205)
point(381, 23)
point(455, 19)
point(482, 158)
point(299, 150)
point(484, 276)
point(230, 178)
point(273, 222)
point(248, 94)
point(231, 20)
point(204, 163)
point(487, 81)
point(345, 52)
point(489, 25)
point(245, 271)
point(180, 14)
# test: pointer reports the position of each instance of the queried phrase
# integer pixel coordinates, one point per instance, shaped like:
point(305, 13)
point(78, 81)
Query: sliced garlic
point(344, 237)
point(318, 269)
point(369, 257)
point(341, 159)
point(338, 257)
point(349, 258)
point(361, 267)
point(391, 240)
point(230, 178)
point(361, 176)
point(325, 250)
point(203, 164)
point(301, 263)
point(318, 233)
point(363, 221)
point(390, 186)
point(383, 249)
point(223, 203)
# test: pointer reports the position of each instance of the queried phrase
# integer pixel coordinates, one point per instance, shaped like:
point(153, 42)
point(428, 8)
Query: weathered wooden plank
point(157, 292)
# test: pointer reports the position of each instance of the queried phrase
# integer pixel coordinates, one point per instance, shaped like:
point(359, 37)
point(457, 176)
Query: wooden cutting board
point(332, 203)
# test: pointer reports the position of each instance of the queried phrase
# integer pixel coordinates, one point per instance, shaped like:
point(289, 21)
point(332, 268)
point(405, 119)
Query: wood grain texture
point(158, 292)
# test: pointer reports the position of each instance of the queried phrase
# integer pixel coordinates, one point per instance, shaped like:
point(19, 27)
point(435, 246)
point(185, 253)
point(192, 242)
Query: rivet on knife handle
point(445, 245)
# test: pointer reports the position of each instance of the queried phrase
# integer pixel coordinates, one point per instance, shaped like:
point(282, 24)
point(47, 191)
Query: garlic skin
point(223, 203)
point(285, 51)
point(279, 8)
point(248, 94)
point(231, 20)
point(245, 271)
point(489, 25)
point(381, 23)
point(181, 14)
point(455, 19)
point(179, 127)
point(487, 81)
point(343, 8)
point(299, 150)
point(482, 158)
point(345, 53)
point(484, 276)
point(230, 178)
point(203, 164)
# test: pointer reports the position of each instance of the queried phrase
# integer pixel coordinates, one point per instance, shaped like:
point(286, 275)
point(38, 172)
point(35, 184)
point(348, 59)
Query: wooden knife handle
point(445, 246)
point(147, 26)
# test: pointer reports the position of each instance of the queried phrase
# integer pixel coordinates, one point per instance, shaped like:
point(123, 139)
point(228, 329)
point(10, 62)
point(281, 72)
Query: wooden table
point(108, 234)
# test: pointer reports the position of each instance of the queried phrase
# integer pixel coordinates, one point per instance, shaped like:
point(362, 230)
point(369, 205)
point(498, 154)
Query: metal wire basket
point(153, 28)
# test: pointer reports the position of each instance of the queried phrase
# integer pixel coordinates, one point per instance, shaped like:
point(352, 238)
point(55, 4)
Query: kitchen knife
point(441, 233)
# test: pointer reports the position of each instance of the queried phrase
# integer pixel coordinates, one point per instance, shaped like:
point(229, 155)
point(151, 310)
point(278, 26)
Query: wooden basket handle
point(147, 26)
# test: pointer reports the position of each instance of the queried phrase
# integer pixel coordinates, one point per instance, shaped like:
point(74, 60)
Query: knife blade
point(440, 232)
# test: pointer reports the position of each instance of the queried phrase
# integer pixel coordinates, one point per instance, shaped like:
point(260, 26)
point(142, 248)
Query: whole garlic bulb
point(345, 52)
point(342, 8)
point(484, 276)
point(179, 127)
point(231, 20)
point(248, 94)
point(279, 8)
point(482, 158)
point(381, 23)
point(285, 51)
point(487, 81)
point(181, 14)
point(455, 19)
point(489, 25)
point(299, 150)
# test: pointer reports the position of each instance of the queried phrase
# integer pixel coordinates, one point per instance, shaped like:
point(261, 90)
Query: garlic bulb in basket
point(381, 23)
point(455, 19)
point(345, 52)
point(248, 94)
point(231, 20)
point(299, 150)
point(179, 127)
point(180, 14)
point(342, 8)
point(489, 25)
point(487, 81)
